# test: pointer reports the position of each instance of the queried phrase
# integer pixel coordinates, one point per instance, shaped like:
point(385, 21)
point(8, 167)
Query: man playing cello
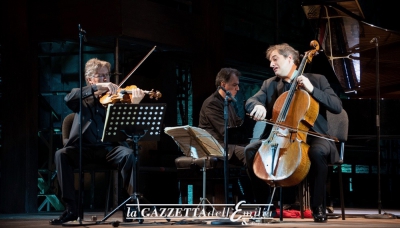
point(284, 61)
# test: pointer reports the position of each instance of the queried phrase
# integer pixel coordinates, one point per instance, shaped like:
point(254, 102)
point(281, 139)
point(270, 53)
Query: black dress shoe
point(319, 214)
point(65, 217)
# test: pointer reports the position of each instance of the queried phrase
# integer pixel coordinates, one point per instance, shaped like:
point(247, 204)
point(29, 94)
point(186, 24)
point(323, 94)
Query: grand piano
point(349, 43)
point(351, 47)
point(362, 62)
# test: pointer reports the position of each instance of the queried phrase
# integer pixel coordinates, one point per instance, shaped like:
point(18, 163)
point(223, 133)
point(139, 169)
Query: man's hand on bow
point(259, 112)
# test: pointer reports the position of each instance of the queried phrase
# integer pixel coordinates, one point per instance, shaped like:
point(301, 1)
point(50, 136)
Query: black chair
point(338, 126)
point(92, 169)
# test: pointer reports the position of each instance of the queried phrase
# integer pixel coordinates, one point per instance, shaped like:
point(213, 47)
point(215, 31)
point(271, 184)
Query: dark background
point(194, 39)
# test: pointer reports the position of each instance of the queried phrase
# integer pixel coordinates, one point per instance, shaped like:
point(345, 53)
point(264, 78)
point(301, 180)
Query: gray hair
point(93, 65)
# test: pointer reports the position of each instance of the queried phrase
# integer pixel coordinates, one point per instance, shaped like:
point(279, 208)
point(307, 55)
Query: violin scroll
point(153, 94)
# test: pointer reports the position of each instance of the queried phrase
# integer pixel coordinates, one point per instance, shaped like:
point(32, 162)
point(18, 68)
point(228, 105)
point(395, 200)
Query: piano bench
point(190, 172)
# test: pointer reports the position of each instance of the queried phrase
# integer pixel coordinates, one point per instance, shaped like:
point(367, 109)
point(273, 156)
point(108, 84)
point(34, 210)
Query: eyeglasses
point(102, 75)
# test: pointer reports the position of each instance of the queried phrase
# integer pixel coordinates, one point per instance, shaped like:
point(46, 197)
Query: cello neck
point(306, 59)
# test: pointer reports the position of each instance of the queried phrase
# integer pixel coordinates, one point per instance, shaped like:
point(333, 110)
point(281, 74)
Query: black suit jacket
point(212, 118)
point(93, 116)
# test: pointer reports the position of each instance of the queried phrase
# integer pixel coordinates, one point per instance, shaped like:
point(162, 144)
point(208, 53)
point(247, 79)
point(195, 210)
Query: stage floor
point(354, 218)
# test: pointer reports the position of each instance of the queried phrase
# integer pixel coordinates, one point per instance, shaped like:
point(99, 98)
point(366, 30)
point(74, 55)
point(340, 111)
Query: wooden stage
point(354, 218)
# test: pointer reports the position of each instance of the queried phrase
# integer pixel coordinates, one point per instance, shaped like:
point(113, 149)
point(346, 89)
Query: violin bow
point(137, 66)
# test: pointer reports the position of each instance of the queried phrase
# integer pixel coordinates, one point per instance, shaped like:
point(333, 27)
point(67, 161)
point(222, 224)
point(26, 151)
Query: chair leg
point(301, 194)
point(303, 197)
point(109, 173)
point(92, 177)
point(115, 186)
point(341, 191)
point(324, 200)
point(280, 204)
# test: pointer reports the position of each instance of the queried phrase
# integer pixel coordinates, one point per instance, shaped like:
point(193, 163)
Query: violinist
point(97, 75)
point(284, 60)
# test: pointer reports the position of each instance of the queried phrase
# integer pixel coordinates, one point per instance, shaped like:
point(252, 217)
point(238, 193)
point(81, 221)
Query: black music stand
point(226, 168)
point(133, 122)
point(79, 221)
point(196, 143)
point(378, 137)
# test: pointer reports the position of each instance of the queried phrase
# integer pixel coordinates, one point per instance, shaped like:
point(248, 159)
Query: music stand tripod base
point(133, 122)
point(79, 222)
point(203, 199)
point(380, 216)
point(225, 222)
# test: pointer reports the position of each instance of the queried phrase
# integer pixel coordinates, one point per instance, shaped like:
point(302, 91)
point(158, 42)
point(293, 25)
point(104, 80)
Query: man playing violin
point(97, 75)
point(284, 61)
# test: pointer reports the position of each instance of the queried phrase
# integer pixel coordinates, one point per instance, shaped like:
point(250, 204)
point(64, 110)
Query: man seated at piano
point(212, 112)
point(284, 61)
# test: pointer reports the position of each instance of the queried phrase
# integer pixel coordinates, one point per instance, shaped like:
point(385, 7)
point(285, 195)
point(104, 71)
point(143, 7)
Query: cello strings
point(291, 92)
point(286, 105)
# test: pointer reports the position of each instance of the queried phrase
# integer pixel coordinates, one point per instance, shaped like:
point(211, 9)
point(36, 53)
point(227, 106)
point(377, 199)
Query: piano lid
point(347, 42)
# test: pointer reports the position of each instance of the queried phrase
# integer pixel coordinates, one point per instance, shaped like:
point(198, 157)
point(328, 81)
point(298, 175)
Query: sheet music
point(194, 141)
point(209, 143)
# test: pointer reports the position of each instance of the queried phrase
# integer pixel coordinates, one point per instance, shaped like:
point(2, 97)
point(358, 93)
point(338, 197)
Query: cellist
point(284, 60)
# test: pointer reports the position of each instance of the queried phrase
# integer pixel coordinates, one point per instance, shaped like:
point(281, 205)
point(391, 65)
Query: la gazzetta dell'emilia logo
point(240, 212)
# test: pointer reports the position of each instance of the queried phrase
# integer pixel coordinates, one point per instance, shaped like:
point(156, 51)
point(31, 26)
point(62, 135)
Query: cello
point(282, 159)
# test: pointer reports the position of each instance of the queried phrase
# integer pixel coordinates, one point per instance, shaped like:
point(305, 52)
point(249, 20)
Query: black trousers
point(236, 153)
point(67, 159)
point(318, 154)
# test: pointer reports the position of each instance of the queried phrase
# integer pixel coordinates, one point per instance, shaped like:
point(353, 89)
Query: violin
point(124, 95)
point(282, 160)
